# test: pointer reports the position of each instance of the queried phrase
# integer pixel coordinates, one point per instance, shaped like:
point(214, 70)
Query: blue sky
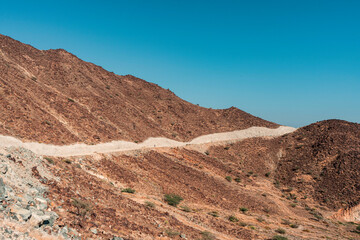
point(291, 62)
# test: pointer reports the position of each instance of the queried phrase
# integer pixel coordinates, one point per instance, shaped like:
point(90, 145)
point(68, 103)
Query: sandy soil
point(118, 146)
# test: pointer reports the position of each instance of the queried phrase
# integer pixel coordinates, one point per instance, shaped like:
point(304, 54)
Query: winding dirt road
point(81, 149)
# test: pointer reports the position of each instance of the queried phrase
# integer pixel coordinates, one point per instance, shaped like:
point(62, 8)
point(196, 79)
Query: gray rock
point(19, 200)
point(29, 198)
point(42, 206)
point(53, 217)
point(117, 238)
point(3, 168)
point(33, 191)
point(2, 188)
point(30, 204)
point(73, 231)
point(36, 211)
point(94, 230)
point(25, 215)
point(2, 208)
point(9, 189)
point(40, 199)
point(183, 236)
point(21, 213)
point(64, 231)
point(39, 221)
point(40, 218)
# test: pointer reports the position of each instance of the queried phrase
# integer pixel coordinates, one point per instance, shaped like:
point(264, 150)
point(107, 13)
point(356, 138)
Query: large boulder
point(40, 218)
point(20, 214)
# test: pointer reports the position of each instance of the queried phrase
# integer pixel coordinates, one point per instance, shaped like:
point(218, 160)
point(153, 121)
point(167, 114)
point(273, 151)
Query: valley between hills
point(89, 154)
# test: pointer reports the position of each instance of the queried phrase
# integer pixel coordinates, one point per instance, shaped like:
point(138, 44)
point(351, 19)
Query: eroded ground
point(231, 180)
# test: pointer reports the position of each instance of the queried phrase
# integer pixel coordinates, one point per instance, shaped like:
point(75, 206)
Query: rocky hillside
point(323, 159)
point(228, 191)
point(54, 97)
point(278, 186)
point(25, 209)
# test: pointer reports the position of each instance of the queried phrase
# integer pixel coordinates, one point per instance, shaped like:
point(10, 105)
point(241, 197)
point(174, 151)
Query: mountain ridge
point(241, 177)
point(81, 102)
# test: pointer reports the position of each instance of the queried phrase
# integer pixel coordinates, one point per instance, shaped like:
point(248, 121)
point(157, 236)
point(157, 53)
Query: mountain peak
point(69, 100)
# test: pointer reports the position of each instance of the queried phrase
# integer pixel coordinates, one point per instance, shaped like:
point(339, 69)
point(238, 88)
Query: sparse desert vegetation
point(199, 173)
point(172, 199)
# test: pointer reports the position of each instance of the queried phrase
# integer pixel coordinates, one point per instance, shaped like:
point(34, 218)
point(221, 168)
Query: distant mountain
point(54, 97)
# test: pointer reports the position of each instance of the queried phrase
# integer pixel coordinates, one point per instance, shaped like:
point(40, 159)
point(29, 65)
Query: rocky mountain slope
point(323, 159)
point(301, 184)
point(229, 191)
point(54, 97)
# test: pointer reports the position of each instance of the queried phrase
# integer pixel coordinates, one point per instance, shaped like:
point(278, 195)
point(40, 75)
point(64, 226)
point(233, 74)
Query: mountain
point(323, 159)
point(54, 97)
point(236, 176)
point(258, 188)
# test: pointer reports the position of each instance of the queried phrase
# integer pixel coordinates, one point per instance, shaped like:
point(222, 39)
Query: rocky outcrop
point(351, 214)
point(23, 196)
point(323, 159)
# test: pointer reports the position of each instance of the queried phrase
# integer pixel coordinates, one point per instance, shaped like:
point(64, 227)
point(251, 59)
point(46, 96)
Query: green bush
point(232, 218)
point(185, 208)
point(293, 205)
point(172, 199)
point(293, 225)
point(214, 214)
point(128, 190)
point(68, 161)
point(149, 204)
point(172, 233)
point(243, 209)
point(242, 224)
point(237, 179)
point(280, 230)
point(285, 222)
point(358, 228)
point(82, 207)
point(50, 160)
point(317, 215)
point(228, 178)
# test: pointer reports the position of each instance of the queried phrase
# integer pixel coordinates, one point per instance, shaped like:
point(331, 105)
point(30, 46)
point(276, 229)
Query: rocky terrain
point(255, 180)
point(54, 97)
point(26, 211)
point(323, 159)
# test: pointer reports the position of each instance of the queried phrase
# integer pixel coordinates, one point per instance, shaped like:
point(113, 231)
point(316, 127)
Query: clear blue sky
point(291, 62)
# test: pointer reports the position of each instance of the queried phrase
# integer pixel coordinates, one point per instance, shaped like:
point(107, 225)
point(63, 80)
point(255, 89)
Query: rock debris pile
point(25, 210)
